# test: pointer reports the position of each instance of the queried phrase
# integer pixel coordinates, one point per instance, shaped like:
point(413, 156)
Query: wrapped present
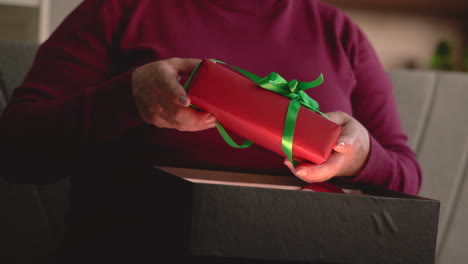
point(270, 112)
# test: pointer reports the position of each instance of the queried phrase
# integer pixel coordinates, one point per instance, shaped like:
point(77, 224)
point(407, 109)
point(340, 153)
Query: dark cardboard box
point(145, 214)
point(277, 222)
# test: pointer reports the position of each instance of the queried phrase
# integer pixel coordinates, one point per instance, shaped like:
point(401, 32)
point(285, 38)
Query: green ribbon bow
point(293, 90)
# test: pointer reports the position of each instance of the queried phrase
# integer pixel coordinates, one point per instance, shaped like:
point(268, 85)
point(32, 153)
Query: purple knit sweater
point(76, 100)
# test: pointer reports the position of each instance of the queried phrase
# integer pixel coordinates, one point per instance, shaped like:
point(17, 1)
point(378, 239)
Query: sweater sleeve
point(391, 163)
point(72, 102)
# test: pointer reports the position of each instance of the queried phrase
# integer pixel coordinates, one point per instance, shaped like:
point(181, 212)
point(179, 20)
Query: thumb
point(172, 86)
point(183, 65)
point(343, 142)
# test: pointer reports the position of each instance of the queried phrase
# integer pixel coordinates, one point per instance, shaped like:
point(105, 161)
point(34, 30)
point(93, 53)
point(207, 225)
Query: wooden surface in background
point(457, 8)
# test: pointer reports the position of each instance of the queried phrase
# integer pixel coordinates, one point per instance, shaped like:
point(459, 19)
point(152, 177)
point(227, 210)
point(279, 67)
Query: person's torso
point(291, 38)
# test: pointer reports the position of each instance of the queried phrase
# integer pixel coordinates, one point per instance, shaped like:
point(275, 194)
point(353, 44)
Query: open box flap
point(277, 182)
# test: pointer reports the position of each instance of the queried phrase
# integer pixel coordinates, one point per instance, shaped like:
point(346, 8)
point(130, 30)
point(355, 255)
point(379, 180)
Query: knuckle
point(340, 114)
point(159, 64)
point(159, 109)
point(163, 113)
point(163, 85)
point(179, 113)
point(179, 126)
point(158, 117)
point(203, 124)
point(168, 113)
point(169, 88)
point(172, 60)
point(159, 123)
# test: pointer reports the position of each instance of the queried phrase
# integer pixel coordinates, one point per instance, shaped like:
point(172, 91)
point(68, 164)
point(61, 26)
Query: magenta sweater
point(75, 104)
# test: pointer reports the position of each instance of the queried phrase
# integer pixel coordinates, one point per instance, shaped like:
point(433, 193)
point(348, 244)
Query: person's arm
point(391, 162)
point(71, 99)
point(372, 148)
point(78, 99)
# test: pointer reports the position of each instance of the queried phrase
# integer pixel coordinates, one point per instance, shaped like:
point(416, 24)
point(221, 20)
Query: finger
point(182, 65)
point(347, 141)
point(289, 165)
point(310, 172)
point(189, 119)
point(338, 117)
point(183, 118)
point(168, 83)
point(347, 135)
point(340, 146)
point(206, 121)
point(170, 76)
point(300, 171)
point(162, 123)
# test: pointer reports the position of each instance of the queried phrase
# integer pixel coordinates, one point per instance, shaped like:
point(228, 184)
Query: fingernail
point(211, 125)
point(301, 172)
point(340, 144)
point(210, 119)
point(183, 100)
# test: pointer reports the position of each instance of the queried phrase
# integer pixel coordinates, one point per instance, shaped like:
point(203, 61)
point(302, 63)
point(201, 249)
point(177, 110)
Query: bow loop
point(306, 85)
point(293, 84)
point(293, 89)
point(275, 83)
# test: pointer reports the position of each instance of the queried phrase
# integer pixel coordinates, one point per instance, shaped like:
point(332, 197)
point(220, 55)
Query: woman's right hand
point(162, 101)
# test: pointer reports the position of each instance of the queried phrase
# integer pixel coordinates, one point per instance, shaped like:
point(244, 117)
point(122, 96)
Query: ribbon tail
point(187, 83)
point(224, 134)
point(247, 143)
point(306, 85)
point(288, 130)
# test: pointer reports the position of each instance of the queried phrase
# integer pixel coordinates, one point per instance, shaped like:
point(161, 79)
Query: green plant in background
point(465, 60)
point(442, 57)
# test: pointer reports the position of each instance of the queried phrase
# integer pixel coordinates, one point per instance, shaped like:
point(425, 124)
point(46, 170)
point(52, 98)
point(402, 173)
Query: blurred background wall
point(32, 20)
point(405, 34)
point(409, 40)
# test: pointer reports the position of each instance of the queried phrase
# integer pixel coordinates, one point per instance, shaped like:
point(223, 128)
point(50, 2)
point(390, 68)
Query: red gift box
point(243, 107)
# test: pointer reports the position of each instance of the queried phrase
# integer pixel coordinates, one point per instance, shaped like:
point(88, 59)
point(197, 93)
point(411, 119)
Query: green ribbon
point(247, 143)
point(293, 90)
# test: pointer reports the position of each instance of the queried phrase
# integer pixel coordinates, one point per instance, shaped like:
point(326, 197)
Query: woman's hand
point(162, 101)
point(348, 158)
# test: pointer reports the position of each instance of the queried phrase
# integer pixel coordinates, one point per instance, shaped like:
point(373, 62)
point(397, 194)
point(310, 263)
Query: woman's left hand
point(348, 158)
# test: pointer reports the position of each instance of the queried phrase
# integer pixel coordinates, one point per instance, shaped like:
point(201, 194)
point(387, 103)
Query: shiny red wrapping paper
point(243, 107)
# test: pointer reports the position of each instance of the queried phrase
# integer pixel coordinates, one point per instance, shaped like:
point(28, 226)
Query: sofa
point(31, 222)
point(432, 106)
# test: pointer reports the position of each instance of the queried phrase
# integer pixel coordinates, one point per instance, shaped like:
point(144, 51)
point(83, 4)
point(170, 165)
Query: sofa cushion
point(15, 60)
point(433, 110)
point(26, 235)
point(3, 92)
point(32, 217)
